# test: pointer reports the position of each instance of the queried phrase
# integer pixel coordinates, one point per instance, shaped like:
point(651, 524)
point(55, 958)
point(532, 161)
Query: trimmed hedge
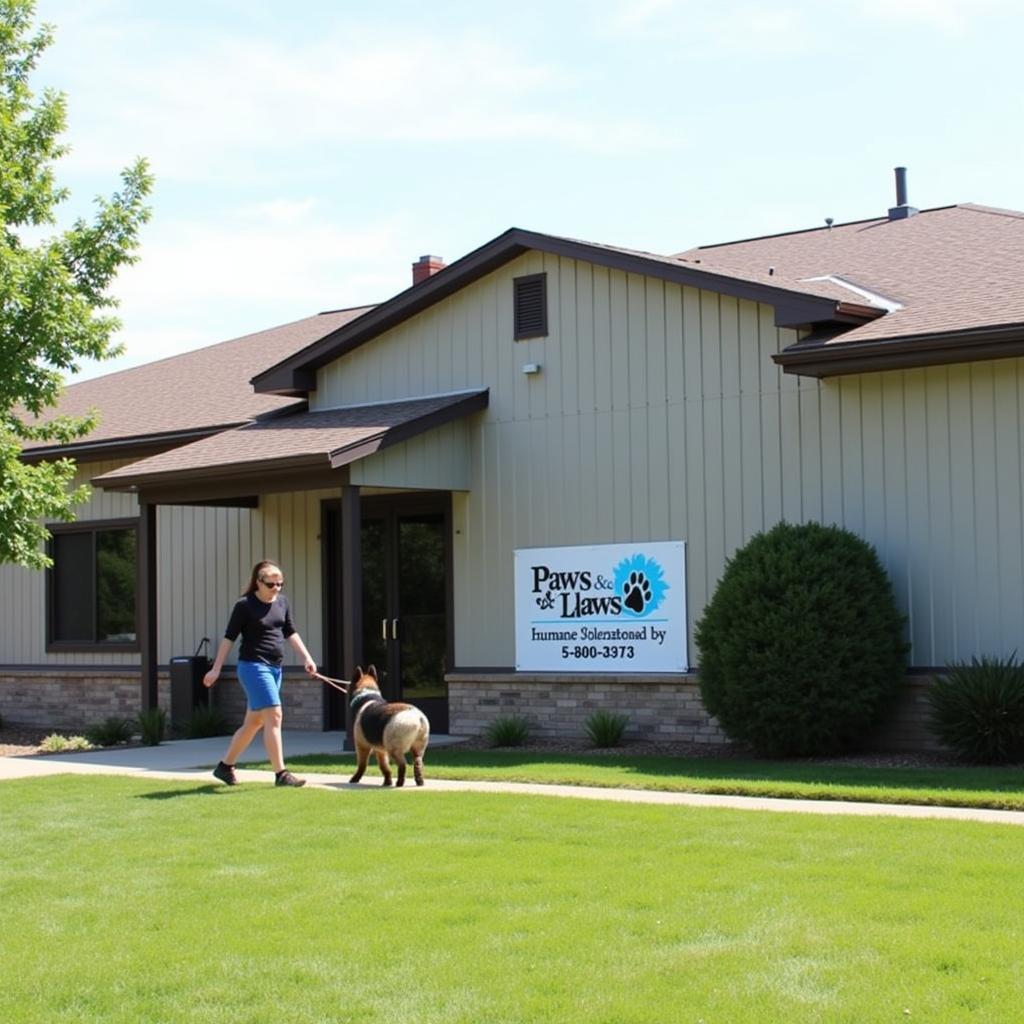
point(801, 646)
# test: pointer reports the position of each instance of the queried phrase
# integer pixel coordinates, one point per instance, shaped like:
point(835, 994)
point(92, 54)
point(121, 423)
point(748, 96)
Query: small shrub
point(110, 732)
point(152, 726)
point(801, 645)
point(977, 709)
point(55, 743)
point(508, 731)
point(605, 728)
point(206, 721)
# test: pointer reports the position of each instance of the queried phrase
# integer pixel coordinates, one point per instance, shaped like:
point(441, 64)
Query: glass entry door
point(404, 542)
point(405, 606)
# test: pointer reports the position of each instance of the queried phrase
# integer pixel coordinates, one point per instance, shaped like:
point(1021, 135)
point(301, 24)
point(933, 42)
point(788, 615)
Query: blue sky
point(306, 153)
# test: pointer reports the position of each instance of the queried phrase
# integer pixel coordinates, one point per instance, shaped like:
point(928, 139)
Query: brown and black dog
point(386, 728)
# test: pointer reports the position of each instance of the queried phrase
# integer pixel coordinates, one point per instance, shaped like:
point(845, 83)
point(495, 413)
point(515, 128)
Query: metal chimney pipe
point(901, 186)
point(902, 209)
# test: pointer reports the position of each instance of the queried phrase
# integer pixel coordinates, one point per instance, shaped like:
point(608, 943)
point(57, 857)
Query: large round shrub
point(801, 646)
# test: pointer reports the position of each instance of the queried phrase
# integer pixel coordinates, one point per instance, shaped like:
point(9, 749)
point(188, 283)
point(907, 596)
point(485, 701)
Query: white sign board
point(602, 608)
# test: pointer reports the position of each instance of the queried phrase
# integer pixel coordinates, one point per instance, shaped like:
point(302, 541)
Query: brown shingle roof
point(795, 303)
point(194, 392)
point(325, 439)
point(955, 268)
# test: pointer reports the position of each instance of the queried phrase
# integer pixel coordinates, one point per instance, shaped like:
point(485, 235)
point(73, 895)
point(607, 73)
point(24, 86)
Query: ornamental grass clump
point(152, 726)
point(110, 732)
point(977, 709)
point(605, 728)
point(801, 646)
point(508, 731)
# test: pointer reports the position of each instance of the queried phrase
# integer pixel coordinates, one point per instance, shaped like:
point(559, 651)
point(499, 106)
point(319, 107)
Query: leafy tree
point(53, 291)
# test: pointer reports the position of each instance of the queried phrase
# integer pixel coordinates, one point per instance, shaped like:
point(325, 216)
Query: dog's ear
point(372, 672)
point(358, 675)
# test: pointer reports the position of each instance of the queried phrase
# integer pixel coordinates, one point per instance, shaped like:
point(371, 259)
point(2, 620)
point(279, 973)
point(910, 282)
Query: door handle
point(384, 629)
point(394, 629)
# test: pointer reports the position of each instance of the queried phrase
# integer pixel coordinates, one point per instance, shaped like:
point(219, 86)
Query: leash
point(338, 684)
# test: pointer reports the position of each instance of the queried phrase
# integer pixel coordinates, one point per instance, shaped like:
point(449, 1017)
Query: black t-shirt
point(264, 628)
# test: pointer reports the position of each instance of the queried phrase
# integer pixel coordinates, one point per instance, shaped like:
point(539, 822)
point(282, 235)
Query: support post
point(351, 592)
point(146, 605)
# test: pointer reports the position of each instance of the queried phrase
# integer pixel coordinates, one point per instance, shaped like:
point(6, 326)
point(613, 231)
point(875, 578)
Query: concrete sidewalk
point(174, 755)
point(191, 760)
point(185, 758)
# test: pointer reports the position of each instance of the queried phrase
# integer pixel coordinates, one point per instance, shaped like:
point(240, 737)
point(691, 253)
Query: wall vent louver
point(531, 306)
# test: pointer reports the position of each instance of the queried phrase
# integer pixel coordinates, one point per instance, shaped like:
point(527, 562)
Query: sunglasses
point(272, 583)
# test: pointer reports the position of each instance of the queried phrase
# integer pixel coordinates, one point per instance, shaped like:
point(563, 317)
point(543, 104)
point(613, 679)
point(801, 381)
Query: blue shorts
point(262, 684)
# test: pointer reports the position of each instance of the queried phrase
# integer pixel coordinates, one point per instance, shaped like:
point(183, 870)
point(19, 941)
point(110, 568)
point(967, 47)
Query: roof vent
point(902, 209)
point(530, 306)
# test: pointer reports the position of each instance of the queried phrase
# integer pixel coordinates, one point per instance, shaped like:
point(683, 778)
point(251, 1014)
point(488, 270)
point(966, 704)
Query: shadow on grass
point(951, 784)
point(209, 789)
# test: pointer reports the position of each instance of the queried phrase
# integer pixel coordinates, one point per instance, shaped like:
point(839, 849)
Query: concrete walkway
point(191, 760)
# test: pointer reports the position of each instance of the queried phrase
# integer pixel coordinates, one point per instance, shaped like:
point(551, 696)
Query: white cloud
point(203, 282)
point(788, 27)
point(639, 14)
point(948, 16)
point(207, 110)
point(724, 28)
point(249, 254)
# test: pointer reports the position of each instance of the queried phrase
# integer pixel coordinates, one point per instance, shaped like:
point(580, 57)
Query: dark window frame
point(93, 527)
point(533, 329)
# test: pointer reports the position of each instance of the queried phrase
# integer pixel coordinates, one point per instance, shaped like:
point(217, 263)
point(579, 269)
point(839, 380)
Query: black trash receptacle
point(187, 690)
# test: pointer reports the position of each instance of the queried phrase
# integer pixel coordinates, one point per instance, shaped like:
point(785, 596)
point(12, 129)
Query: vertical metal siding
point(658, 414)
point(206, 555)
point(204, 559)
point(23, 622)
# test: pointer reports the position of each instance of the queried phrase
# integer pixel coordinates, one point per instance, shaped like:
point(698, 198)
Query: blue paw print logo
point(639, 581)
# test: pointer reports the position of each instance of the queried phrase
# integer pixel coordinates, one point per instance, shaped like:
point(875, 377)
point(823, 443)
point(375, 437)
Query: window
point(91, 586)
point(531, 306)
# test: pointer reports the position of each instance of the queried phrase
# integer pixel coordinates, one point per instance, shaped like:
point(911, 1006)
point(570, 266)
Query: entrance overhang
point(306, 451)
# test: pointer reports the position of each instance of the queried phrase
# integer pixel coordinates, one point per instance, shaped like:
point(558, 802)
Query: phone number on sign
point(593, 651)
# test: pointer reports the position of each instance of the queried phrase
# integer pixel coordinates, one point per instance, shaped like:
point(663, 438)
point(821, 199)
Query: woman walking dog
point(264, 620)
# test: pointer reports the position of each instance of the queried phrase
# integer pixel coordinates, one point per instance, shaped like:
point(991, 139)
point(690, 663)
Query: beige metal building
point(548, 393)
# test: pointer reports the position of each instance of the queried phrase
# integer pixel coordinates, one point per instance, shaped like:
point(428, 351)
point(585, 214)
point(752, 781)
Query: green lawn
point(952, 786)
point(129, 900)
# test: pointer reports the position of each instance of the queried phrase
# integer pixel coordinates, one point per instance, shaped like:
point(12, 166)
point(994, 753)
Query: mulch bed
point(22, 739)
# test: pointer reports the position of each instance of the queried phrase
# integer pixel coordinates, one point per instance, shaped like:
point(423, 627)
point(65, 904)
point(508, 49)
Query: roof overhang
point(828, 355)
point(140, 446)
point(122, 447)
point(309, 450)
point(793, 308)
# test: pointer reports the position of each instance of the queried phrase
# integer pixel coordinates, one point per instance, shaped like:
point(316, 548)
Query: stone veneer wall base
point(66, 699)
point(659, 708)
point(666, 708)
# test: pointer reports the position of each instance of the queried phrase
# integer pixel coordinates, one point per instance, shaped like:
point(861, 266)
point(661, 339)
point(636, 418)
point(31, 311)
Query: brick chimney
point(426, 266)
